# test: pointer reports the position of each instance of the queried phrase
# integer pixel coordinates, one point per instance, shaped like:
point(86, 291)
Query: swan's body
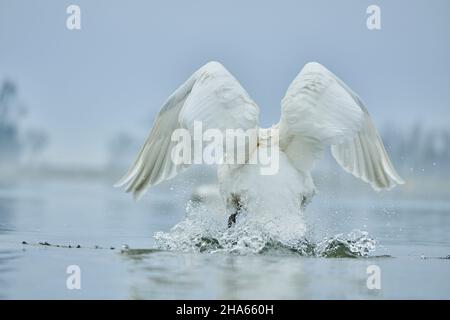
point(288, 191)
point(318, 111)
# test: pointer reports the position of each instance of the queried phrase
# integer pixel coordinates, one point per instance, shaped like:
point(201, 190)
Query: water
point(406, 236)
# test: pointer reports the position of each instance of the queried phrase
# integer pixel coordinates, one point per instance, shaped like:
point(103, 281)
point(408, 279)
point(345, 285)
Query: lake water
point(412, 235)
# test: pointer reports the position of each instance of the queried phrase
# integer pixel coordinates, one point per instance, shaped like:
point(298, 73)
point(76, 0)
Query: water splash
point(352, 245)
point(205, 231)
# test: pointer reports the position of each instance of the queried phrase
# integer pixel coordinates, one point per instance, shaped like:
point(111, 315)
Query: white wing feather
point(211, 95)
point(320, 110)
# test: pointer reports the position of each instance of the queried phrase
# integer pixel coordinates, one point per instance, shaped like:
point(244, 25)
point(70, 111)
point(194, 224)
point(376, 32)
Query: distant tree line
point(16, 143)
point(419, 147)
point(411, 148)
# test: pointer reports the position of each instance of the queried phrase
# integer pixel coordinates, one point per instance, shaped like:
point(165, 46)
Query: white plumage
point(318, 111)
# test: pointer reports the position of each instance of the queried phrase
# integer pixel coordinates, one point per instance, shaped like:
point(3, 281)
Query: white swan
point(318, 111)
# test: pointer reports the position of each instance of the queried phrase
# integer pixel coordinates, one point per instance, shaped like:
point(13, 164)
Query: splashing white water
point(205, 230)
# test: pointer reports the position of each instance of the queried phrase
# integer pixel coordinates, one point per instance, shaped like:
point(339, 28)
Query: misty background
point(75, 106)
point(85, 99)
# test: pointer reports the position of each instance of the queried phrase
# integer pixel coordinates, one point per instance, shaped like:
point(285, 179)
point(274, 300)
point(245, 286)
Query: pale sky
point(84, 86)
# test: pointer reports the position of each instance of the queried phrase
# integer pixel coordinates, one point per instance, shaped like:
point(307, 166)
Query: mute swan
point(318, 111)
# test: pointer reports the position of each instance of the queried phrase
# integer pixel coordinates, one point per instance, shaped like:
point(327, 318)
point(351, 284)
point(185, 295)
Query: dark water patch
point(133, 252)
point(64, 246)
point(208, 244)
point(440, 258)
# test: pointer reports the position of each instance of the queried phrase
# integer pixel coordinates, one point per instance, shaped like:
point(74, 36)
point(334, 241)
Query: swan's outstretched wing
point(211, 95)
point(320, 110)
